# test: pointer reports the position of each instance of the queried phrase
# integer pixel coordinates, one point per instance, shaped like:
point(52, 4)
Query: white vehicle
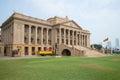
point(116, 50)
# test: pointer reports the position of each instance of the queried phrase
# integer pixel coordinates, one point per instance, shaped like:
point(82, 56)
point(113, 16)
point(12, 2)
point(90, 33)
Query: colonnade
point(72, 37)
point(37, 35)
point(43, 36)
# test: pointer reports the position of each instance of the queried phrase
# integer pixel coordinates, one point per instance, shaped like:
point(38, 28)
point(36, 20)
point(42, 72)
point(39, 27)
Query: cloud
point(52, 6)
point(101, 17)
point(82, 8)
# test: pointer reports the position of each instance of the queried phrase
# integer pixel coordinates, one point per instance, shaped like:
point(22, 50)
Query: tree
point(97, 46)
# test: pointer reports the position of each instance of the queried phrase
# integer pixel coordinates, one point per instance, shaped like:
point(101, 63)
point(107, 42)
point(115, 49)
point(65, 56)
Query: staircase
point(80, 51)
point(90, 52)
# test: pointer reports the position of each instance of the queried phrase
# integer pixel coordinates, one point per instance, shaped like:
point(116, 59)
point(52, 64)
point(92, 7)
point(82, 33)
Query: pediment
point(72, 24)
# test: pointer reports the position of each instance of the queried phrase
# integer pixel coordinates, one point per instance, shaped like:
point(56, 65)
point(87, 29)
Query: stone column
point(88, 41)
point(64, 36)
point(29, 51)
point(35, 35)
point(47, 36)
point(29, 34)
point(84, 40)
point(59, 35)
point(36, 49)
point(76, 38)
point(72, 38)
point(8, 36)
point(56, 35)
point(68, 37)
point(41, 36)
point(81, 39)
point(23, 33)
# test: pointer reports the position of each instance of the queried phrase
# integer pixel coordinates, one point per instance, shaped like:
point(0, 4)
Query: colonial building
point(29, 35)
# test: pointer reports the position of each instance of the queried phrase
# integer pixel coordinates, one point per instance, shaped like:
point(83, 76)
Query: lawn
point(65, 68)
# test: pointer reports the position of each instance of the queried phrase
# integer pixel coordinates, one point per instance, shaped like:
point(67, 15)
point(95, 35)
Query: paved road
point(8, 57)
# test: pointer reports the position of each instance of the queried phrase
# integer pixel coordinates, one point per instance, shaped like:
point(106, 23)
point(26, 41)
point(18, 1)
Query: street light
point(56, 47)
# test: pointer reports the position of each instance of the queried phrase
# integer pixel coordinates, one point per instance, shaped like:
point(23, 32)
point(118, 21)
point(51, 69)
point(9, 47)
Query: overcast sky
point(100, 17)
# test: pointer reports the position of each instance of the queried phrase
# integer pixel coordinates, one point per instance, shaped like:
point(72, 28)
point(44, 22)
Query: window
point(38, 40)
point(25, 40)
point(62, 40)
point(57, 40)
point(26, 50)
point(49, 42)
point(45, 48)
point(32, 29)
point(32, 40)
point(50, 48)
point(26, 27)
point(39, 48)
point(70, 42)
point(67, 41)
point(33, 50)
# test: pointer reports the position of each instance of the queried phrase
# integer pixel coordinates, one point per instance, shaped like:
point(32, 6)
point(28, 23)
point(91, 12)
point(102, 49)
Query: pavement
point(24, 57)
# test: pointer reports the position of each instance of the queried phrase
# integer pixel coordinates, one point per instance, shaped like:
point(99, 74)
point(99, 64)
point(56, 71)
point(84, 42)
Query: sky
point(100, 17)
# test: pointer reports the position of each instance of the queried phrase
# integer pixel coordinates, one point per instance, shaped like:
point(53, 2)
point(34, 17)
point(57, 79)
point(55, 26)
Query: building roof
point(51, 21)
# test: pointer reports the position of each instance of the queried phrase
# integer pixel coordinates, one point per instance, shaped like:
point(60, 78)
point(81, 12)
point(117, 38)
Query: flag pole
point(106, 48)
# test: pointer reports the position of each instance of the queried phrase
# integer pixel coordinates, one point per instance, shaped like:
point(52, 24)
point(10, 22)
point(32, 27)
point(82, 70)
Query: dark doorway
point(5, 51)
point(39, 48)
point(26, 50)
point(45, 48)
point(33, 50)
point(66, 52)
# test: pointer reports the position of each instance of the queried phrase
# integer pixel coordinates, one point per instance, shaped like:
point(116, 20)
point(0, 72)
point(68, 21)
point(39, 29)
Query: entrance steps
point(81, 51)
point(90, 52)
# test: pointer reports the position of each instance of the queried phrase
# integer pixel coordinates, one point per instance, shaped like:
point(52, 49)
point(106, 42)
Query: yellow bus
point(47, 51)
point(43, 53)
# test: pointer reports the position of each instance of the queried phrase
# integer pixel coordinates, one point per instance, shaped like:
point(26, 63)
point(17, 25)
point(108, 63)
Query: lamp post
point(56, 47)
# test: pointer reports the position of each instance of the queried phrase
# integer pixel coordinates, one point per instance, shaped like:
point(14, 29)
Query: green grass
point(65, 68)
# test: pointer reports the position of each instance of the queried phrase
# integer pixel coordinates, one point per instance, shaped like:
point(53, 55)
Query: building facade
point(29, 35)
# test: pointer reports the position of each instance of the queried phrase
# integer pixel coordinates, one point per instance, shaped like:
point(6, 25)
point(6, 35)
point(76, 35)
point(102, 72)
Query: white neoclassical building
point(29, 35)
